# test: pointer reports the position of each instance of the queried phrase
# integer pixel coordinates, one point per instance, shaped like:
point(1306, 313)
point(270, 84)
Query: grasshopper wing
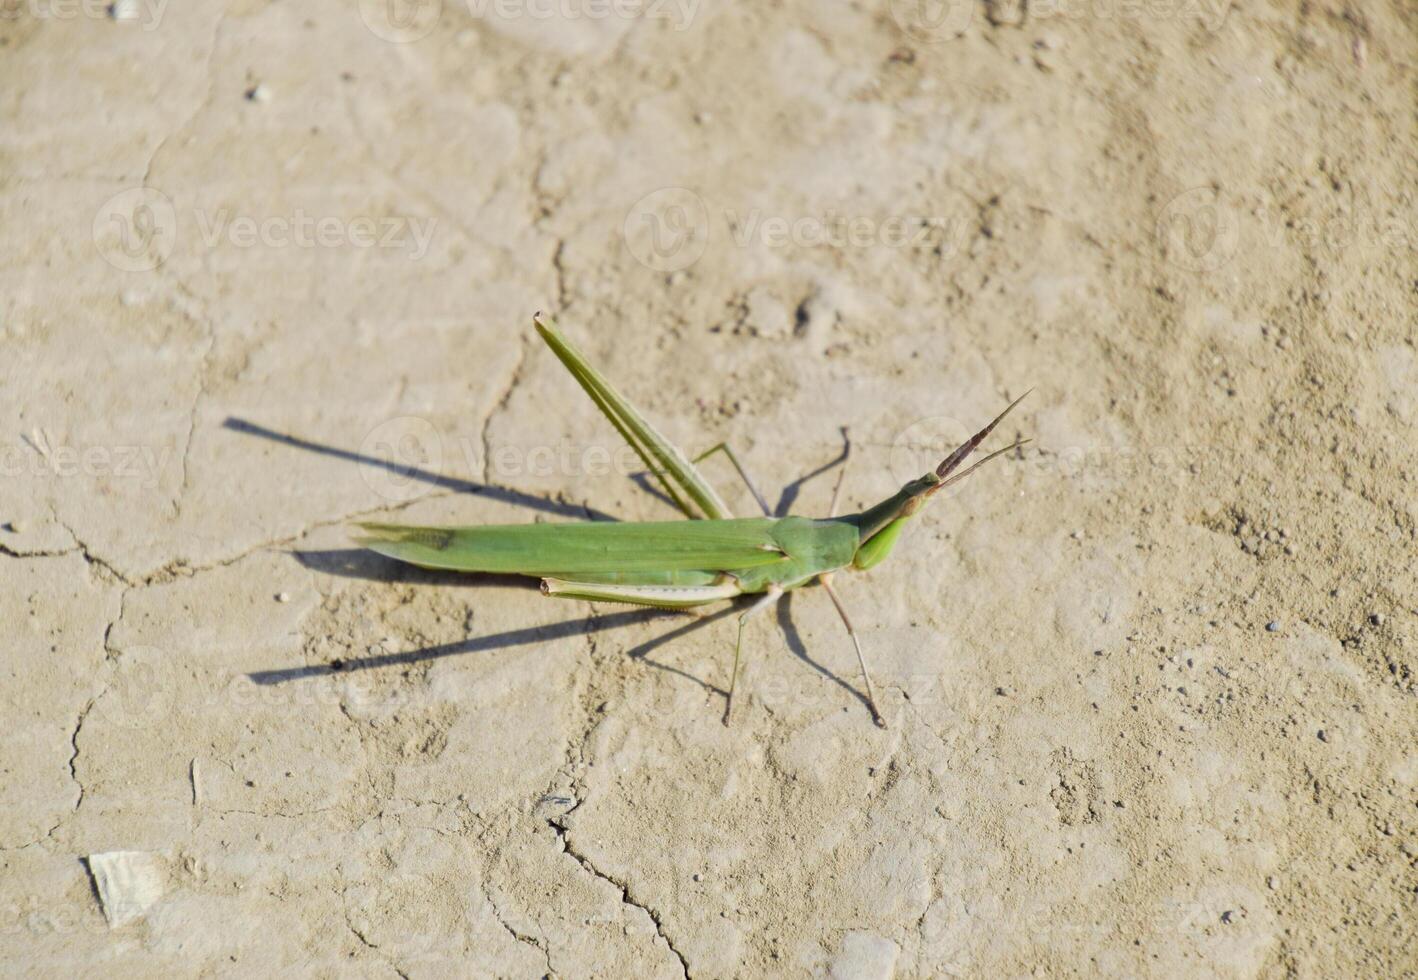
point(585, 547)
point(660, 456)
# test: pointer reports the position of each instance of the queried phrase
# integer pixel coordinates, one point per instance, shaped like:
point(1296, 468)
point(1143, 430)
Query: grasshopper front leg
point(728, 451)
point(826, 580)
point(683, 598)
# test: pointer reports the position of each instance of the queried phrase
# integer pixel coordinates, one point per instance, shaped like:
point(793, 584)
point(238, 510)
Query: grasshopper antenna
point(975, 466)
point(970, 445)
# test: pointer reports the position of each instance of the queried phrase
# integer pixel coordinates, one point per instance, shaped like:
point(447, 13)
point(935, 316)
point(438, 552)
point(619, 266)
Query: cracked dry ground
point(1149, 683)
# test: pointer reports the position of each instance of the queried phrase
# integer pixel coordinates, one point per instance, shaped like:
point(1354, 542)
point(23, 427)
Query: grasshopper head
point(921, 490)
point(882, 524)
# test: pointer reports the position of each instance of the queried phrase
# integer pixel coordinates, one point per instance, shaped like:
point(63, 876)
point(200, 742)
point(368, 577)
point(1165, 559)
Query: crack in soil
point(626, 897)
point(541, 945)
point(501, 404)
point(74, 755)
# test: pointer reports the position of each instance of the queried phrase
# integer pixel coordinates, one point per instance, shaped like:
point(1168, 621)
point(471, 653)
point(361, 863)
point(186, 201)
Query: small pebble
point(1227, 916)
point(1272, 627)
point(1323, 735)
point(123, 10)
point(283, 597)
point(17, 527)
point(698, 876)
point(1272, 882)
point(1377, 619)
point(258, 93)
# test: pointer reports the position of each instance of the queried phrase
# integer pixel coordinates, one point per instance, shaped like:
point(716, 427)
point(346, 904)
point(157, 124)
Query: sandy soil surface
point(270, 267)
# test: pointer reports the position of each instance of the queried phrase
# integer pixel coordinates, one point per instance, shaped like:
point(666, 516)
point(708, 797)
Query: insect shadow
point(458, 484)
point(364, 564)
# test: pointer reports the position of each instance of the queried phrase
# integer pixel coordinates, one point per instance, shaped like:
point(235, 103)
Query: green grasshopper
point(674, 564)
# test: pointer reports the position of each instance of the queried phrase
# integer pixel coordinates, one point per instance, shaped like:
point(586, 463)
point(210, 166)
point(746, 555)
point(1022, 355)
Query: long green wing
point(583, 547)
point(660, 455)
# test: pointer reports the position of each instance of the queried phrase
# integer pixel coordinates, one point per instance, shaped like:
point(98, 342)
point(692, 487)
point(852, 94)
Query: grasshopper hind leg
point(680, 598)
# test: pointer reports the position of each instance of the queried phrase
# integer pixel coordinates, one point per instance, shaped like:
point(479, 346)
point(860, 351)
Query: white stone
point(128, 884)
